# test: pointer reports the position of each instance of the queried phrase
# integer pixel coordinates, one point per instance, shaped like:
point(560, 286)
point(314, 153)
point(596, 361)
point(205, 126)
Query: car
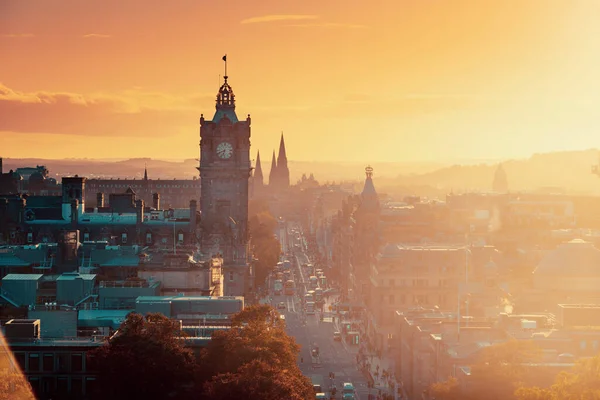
point(337, 336)
point(281, 306)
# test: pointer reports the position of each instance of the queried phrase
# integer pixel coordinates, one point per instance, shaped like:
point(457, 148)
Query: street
point(334, 356)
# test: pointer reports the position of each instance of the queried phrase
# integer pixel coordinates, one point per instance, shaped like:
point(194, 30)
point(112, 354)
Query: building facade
point(224, 175)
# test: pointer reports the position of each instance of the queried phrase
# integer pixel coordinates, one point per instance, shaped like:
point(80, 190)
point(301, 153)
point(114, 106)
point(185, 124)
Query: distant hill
point(559, 171)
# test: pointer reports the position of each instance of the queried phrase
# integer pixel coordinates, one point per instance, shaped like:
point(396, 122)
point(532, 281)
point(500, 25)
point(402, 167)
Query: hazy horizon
point(401, 81)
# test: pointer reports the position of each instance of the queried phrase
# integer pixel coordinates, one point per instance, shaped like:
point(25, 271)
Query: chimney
point(99, 199)
point(139, 211)
point(74, 212)
point(156, 201)
point(193, 211)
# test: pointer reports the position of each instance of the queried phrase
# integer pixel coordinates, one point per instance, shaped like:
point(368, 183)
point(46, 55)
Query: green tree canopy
point(146, 359)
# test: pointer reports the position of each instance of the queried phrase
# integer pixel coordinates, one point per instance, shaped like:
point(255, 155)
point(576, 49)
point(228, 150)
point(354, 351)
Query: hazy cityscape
point(300, 200)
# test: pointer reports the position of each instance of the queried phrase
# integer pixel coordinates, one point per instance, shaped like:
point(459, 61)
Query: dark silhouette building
point(225, 172)
point(279, 177)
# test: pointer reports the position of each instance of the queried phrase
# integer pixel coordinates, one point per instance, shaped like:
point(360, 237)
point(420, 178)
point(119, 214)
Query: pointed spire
point(273, 173)
point(282, 157)
point(258, 174)
point(283, 171)
point(145, 171)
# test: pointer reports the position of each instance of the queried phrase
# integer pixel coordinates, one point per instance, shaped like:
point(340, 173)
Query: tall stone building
point(224, 174)
point(366, 231)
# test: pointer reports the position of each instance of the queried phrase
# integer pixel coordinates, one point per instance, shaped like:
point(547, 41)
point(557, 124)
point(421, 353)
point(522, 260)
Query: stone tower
point(366, 235)
point(500, 184)
point(224, 173)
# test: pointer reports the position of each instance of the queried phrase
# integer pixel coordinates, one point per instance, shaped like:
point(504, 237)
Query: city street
point(334, 356)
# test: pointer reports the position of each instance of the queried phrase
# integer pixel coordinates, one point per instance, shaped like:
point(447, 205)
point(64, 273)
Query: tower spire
point(273, 173)
point(283, 171)
point(258, 174)
point(145, 171)
point(369, 195)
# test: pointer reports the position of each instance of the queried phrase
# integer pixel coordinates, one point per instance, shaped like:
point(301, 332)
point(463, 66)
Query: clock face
point(224, 150)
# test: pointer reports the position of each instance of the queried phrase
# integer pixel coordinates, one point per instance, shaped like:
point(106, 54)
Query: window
point(148, 238)
point(30, 237)
point(123, 238)
point(76, 386)
point(77, 362)
point(90, 385)
point(20, 359)
point(34, 362)
point(62, 362)
point(180, 237)
point(48, 362)
point(582, 345)
point(86, 237)
point(231, 277)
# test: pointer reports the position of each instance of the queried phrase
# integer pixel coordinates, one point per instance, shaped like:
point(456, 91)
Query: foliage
point(145, 359)
point(266, 248)
point(496, 373)
point(582, 383)
point(256, 349)
point(255, 335)
point(14, 386)
point(259, 380)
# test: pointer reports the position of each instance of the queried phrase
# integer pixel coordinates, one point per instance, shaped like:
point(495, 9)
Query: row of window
point(62, 385)
point(52, 362)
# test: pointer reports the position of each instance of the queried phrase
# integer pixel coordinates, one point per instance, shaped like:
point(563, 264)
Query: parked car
point(337, 336)
point(281, 306)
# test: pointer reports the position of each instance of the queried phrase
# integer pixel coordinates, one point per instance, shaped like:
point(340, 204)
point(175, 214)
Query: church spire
point(283, 171)
point(273, 173)
point(258, 174)
point(145, 172)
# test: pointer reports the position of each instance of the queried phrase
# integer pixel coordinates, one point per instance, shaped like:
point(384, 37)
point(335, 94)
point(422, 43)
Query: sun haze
point(382, 80)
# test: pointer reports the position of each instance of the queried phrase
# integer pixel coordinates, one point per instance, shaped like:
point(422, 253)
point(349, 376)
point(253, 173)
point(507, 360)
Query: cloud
point(329, 25)
point(282, 17)
point(128, 113)
point(96, 35)
point(17, 35)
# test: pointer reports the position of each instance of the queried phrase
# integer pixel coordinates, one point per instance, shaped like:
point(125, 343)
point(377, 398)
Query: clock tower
point(224, 177)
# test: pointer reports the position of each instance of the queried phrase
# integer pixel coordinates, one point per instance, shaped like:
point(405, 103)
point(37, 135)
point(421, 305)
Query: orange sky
point(378, 80)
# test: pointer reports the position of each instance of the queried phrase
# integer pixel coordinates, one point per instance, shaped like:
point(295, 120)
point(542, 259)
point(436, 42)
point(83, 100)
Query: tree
point(146, 359)
point(259, 380)
point(256, 340)
point(496, 374)
point(582, 383)
point(266, 248)
point(256, 334)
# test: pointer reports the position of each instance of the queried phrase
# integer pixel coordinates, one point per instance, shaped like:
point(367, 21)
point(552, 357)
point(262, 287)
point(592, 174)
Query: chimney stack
point(139, 211)
point(99, 199)
point(156, 201)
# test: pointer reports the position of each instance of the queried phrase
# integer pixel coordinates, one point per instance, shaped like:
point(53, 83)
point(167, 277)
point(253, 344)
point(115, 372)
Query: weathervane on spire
point(225, 59)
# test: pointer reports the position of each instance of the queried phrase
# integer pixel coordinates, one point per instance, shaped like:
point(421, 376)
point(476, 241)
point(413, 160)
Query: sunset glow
point(387, 80)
